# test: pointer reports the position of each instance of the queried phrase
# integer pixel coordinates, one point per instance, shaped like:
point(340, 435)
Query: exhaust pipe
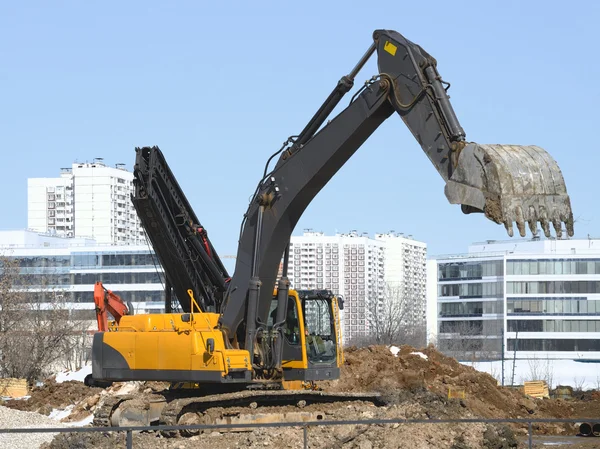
point(596, 429)
point(585, 429)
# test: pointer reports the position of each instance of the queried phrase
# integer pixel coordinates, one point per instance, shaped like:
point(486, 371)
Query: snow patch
point(78, 375)
point(81, 423)
point(59, 414)
point(420, 354)
point(9, 398)
point(394, 350)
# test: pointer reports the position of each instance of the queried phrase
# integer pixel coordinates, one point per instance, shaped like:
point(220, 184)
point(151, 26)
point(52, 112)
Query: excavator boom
point(507, 183)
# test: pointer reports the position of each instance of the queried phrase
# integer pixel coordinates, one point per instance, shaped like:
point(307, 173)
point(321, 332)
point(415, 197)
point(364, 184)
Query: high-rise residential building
point(534, 298)
point(354, 266)
point(90, 200)
point(405, 274)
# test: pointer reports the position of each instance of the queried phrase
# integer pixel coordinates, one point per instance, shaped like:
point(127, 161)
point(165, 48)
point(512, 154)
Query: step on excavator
point(249, 338)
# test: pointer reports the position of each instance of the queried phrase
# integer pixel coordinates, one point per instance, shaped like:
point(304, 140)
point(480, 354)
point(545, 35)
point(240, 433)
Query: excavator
point(249, 335)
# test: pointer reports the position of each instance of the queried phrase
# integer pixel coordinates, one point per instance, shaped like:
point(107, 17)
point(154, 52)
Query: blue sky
point(218, 86)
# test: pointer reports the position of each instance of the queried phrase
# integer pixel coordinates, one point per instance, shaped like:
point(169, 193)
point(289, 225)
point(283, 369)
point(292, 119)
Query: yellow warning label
point(456, 393)
point(390, 48)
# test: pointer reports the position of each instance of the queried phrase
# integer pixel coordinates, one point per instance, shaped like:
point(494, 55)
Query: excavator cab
point(312, 346)
point(319, 327)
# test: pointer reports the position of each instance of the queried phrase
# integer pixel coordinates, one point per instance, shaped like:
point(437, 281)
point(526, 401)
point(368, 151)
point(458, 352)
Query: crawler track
point(172, 407)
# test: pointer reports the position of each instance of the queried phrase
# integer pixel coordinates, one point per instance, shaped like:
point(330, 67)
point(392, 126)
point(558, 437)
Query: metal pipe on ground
point(596, 429)
point(585, 429)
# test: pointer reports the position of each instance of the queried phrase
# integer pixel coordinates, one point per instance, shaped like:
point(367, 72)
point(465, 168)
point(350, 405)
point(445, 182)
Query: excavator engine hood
point(511, 183)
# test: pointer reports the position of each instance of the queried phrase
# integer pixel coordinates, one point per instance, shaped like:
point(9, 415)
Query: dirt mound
point(377, 368)
point(53, 395)
point(409, 373)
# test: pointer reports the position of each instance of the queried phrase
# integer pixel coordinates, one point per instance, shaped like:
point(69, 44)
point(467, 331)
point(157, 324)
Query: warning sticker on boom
point(390, 48)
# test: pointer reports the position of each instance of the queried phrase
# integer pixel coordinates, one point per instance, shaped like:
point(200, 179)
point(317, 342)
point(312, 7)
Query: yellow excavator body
point(189, 348)
point(155, 343)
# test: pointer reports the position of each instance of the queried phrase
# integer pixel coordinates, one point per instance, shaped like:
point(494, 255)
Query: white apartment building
point(533, 298)
point(356, 266)
point(90, 200)
point(405, 272)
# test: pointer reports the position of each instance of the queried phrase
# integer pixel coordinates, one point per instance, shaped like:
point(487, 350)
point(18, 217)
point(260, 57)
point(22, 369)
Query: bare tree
point(540, 369)
point(578, 384)
point(470, 340)
point(76, 347)
point(34, 325)
point(462, 340)
point(394, 319)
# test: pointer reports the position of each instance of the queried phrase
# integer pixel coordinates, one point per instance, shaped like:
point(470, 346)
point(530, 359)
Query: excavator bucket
point(512, 183)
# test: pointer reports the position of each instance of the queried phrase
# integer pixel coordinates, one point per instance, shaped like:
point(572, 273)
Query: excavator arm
point(507, 183)
point(108, 302)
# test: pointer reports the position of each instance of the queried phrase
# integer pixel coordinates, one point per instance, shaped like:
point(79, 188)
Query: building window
point(472, 290)
point(553, 287)
point(554, 344)
point(469, 270)
point(553, 266)
point(462, 327)
point(552, 306)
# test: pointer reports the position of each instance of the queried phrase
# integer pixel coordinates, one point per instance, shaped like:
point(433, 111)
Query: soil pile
point(404, 376)
point(53, 395)
point(375, 368)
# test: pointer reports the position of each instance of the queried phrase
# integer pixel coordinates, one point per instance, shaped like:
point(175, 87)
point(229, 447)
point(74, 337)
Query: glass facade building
point(470, 298)
point(530, 298)
point(69, 268)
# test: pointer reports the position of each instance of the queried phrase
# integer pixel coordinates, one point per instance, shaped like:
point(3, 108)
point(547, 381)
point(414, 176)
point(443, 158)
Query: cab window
point(291, 326)
point(320, 335)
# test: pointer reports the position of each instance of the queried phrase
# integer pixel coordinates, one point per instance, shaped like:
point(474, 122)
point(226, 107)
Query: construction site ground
point(413, 384)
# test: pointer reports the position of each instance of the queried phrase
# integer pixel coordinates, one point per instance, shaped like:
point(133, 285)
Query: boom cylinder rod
point(286, 261)
point(253, 294)
point(342, 87)
point(282, 300)
point(168, 296)
point(360, 64)
point(254, 287)
point(256, 255)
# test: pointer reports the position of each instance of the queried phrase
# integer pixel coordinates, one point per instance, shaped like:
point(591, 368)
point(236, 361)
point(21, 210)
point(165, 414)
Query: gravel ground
point(10, 418)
